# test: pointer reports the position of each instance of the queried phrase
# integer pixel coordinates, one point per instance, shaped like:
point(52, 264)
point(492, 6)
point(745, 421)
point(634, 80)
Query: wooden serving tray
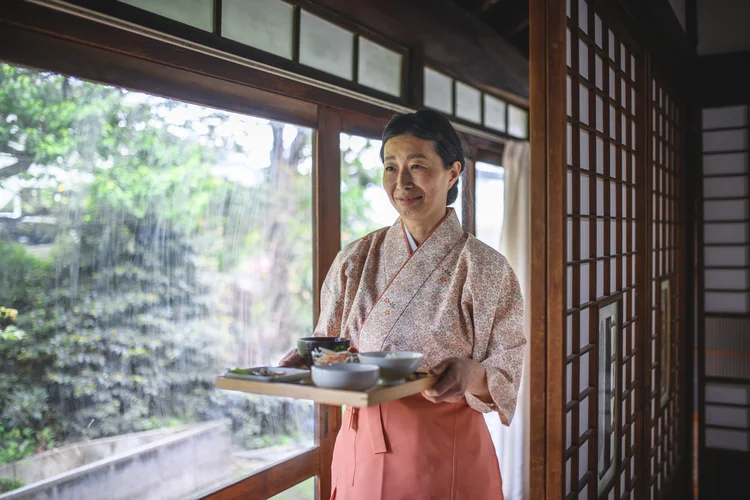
point(304, 389)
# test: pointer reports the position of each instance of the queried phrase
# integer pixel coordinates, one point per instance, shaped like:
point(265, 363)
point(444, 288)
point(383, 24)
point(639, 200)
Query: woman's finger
point(291, 359)
point(439, 368)
point(445, 383)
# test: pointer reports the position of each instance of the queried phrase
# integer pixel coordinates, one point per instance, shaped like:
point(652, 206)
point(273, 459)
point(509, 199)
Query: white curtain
point(512, 443)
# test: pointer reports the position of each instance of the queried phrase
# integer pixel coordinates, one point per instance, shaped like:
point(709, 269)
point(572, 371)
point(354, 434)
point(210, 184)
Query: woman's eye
point(389, 169)
point(416, 166)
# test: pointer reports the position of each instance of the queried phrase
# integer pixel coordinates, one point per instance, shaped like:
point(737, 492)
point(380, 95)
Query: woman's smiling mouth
point(409, 200)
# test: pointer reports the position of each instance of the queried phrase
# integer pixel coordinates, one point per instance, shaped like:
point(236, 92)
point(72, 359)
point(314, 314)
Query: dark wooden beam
point(691, 21)
point(722, 79)
point(449, 36)
point(508, 18)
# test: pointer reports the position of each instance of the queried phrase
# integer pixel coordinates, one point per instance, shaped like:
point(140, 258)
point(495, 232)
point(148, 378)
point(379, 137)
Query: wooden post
point(327, 237)
point(547, 24)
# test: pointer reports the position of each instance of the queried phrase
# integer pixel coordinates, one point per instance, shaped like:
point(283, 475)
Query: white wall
point(723, 26)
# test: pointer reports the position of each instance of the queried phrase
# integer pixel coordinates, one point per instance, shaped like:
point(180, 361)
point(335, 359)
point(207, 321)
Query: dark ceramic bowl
point(306, 346)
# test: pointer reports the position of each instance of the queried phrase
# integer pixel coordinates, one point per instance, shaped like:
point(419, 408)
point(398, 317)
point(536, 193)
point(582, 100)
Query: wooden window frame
point(51, 40)
point(213, 40)
point(506, 97)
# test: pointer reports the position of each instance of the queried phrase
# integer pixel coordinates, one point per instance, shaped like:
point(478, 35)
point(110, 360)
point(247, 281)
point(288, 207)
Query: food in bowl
point(394, 366)
point(345, 376)
point(323, 356)
point(307, 345)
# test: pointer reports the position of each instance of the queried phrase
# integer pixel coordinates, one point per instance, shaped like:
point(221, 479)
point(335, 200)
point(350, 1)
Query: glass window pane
point(494, 113)
point(458, 204)
point(365, 206)
point(490, 203)
point(468, 103)
point(302, 491)
point(198, 13)
point(379, 68)
point(263, 24)
point(438, 91)
point(162, 243)
point(518, 122)
point(325, 46)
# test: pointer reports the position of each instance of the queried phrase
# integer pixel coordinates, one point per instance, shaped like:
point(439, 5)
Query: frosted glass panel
point(325, 46)
point(263, 24)
point(438, 91)
point(727, 302)
point(583, 104)
point(735, 116)
point(734, 163)
point(583, 59)
point(728, 393)
point(725, 233)
point(494, 113)
point(724, 279)
point(583, 18)
point(728, 439)
point(724, 187)
point(584, 199)
point(583, 160)
point(198, 13)
point(725, 210)
point(379, 68)
point(518, 121)
point(725, 140)
point(728, 416)
point(726, 256)
point(468, 103)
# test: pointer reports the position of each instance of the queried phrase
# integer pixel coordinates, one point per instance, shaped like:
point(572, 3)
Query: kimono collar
point(441, 239)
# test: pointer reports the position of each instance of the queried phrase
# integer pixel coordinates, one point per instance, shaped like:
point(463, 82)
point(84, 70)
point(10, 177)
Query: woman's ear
point(455, 172)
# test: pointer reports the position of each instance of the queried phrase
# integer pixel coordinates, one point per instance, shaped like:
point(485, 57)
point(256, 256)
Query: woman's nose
point(404, 178)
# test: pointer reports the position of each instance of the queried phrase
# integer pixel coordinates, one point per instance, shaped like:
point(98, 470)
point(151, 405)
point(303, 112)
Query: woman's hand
point(292, 359)
point(456, 377)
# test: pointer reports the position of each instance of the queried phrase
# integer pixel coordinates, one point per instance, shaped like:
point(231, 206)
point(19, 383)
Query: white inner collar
point(412, 243)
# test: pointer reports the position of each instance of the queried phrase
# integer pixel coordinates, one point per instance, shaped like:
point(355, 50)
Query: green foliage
point(7, 485)
point(117, 287)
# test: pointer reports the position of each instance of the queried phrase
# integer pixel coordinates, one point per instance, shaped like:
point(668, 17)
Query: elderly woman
point(425, 285)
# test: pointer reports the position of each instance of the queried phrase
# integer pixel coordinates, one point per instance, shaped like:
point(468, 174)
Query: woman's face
point(415, 178)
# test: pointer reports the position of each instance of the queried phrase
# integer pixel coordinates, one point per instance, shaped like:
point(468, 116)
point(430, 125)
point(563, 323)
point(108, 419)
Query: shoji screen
point(726, 284)
point(605, 207)
point(665, 347)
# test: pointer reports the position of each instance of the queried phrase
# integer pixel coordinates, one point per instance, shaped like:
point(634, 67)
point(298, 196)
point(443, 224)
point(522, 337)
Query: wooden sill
point(273, 479)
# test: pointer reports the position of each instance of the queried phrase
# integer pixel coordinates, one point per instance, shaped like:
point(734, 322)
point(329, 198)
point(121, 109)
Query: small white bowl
point(394, 365)
point(345, 376)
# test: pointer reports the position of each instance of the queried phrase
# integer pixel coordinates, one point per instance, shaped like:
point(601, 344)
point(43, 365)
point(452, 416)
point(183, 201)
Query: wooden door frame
point(547, 70)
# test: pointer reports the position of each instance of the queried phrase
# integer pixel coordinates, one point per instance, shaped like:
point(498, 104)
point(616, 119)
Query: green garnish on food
point(339, 348)
point(239, 371)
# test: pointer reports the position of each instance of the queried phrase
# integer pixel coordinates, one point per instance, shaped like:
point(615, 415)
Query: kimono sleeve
point(503, 360)
point(330, 322)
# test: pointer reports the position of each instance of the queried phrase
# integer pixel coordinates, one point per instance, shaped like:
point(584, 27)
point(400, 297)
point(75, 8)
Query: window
point(490, 203)
point(148, 245)
point(365, 206)
point(326, 46)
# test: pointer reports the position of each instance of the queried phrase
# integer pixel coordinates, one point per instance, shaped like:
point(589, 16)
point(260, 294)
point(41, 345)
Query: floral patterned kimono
point(452, 296)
